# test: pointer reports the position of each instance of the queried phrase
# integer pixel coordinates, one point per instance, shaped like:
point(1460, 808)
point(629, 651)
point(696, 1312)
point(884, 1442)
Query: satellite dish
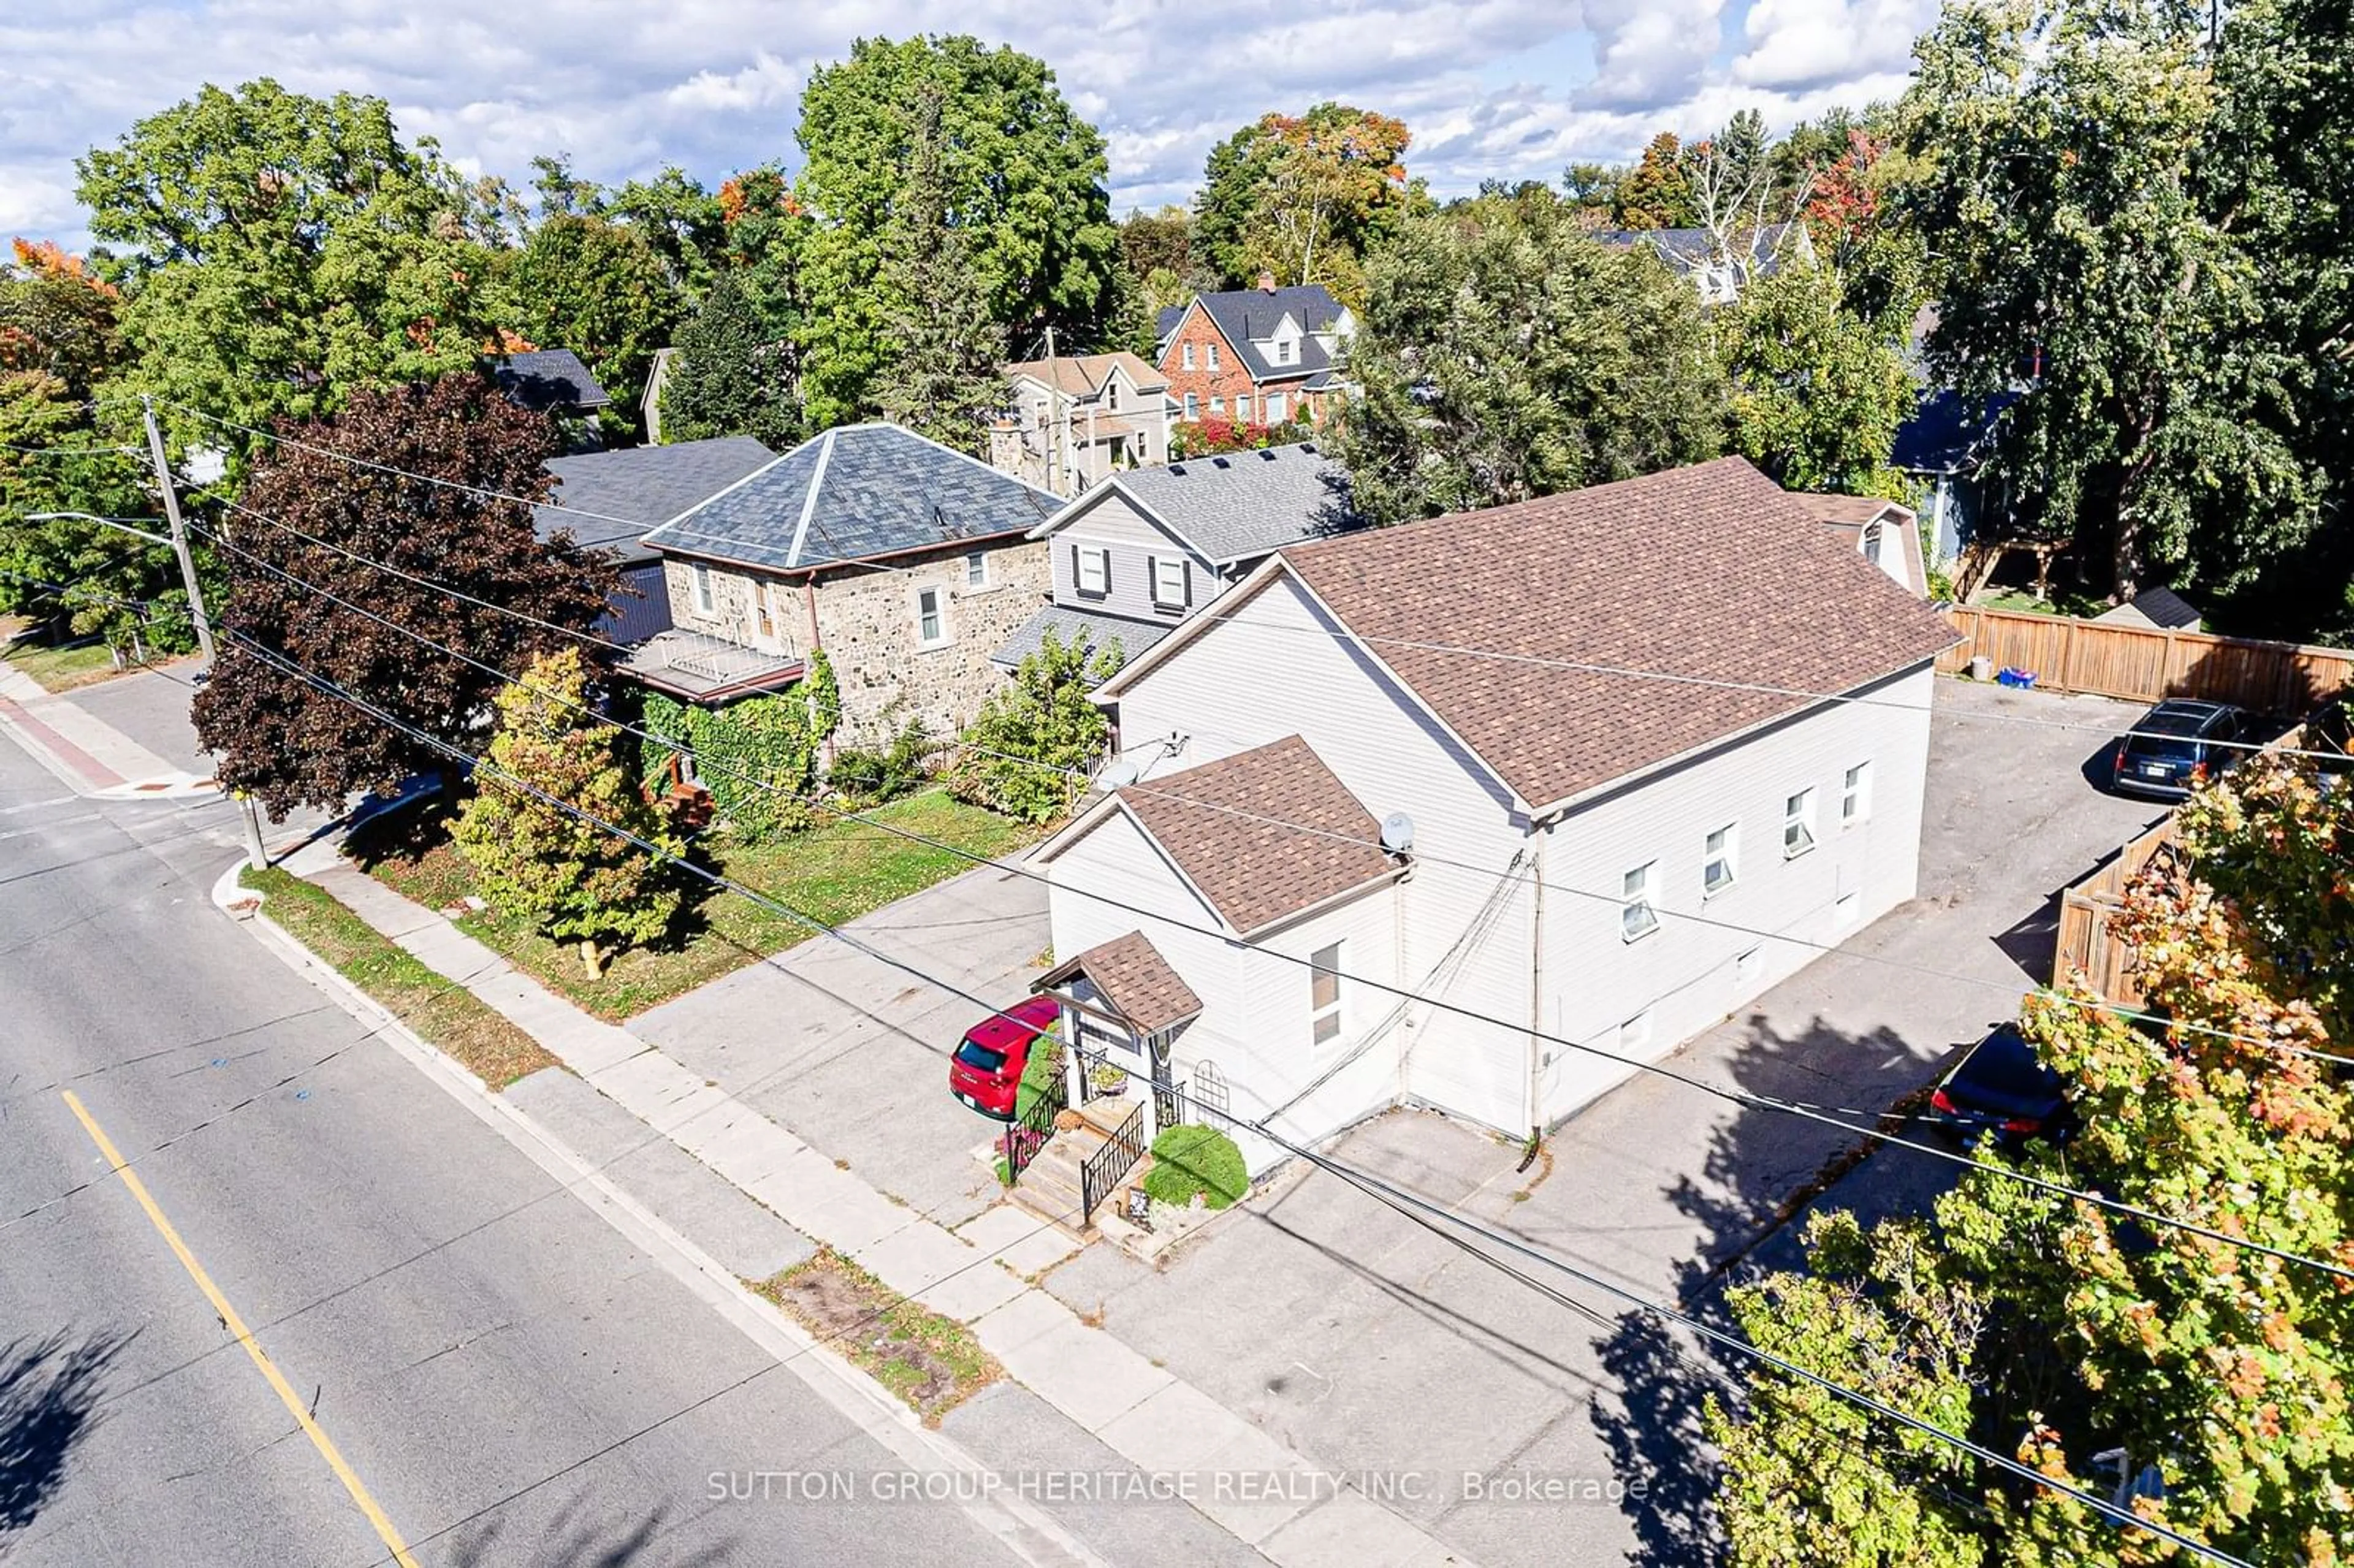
point(1397, 833)
point(1119, 773)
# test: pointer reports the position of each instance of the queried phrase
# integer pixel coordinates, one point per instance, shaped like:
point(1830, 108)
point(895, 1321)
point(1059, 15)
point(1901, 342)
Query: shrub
point(1028, 754)
point(870, 777)
point(1190, 1161)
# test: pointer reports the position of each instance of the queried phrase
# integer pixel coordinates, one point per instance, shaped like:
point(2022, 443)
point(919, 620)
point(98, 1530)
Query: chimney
point(1267, 281)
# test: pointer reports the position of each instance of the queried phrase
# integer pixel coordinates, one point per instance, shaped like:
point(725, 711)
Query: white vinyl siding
point(1131, 542)
point(1324, 994)
point(1798, 824)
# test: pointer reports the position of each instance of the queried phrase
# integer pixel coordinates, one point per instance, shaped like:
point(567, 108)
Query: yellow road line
point(236, 1326)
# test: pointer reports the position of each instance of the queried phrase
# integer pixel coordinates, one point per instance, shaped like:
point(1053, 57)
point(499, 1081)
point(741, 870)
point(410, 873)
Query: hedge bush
point(1187, 1161)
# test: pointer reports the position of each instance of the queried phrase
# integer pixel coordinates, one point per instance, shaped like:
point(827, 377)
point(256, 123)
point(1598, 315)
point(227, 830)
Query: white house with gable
point(1474, 812)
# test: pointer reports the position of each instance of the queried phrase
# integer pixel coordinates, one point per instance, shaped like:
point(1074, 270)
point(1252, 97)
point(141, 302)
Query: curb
point(1027, 1531)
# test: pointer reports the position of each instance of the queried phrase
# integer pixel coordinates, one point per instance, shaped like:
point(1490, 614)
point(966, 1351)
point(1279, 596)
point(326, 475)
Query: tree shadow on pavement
point(1761, 1170)
point(49, 1391)
point(568, 1540)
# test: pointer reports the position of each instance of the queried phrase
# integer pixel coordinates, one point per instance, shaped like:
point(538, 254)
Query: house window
point(1287, 351)
point(1855, 795)
point(1093, 569)
point(1798, 824)
point(1111, 394)
point(1169, 582)
point(1192, 406)
point(976, 569)
point(1218, 404)
point(931, 617)
point(1324, 995)
point(1275, 408)
point(1717, 869)
point(1635, 1034)
point(1871, 540)
point(1188, 356)
point(1635, 916)
point(703, 603)
point(1242, 408)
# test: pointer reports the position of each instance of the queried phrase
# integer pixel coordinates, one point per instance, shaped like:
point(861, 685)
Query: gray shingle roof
point(549, 379)
point(1085, 628)
point(1240, 505)
point(1245, 313)
point(643, 487)
point(851, 495)
point(1684, 248)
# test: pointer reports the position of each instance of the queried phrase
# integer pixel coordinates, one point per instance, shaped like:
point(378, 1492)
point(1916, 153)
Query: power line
point(1634, 1299)
point(2058, 996)
point(1791, 1107)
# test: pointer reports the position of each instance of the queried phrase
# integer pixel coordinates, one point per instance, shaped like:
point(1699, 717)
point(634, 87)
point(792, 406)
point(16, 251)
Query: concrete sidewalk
point(982, 1273)
point(88, 756)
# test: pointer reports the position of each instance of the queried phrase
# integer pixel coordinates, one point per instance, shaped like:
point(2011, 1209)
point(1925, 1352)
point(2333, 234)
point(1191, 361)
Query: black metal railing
point(1169, 1106)
point(1033, 1125)
point(1102, 1171)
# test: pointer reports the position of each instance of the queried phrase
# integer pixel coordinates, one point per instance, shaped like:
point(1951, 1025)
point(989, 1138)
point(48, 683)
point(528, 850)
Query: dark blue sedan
point(2000, 1086)
point(2176, 746)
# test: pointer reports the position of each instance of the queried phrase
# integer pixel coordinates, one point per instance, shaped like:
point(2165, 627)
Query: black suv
point(2178, 744)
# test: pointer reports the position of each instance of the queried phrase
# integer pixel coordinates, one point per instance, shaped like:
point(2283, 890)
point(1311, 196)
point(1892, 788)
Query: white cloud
point(712, 85)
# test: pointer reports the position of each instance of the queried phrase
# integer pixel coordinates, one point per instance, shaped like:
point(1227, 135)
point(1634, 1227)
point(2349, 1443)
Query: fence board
point(2139, 663)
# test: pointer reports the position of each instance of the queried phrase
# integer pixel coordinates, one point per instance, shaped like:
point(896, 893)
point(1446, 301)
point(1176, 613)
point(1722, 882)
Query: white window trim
point(1799, 811)
point(1730, 856)
point(706, 602)
point(1279, 409)
point(975, 584)
point(1188, 356)
point(1855, 794)
point(1099, 557)
point(940, 609)
point(1335, 1012)
point(1211, 349)
point(1192, 406)
point(1176, 565)
point(1634, 896)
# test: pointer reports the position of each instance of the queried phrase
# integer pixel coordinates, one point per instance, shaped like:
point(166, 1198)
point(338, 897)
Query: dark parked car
point(1999, 1086)
point(2329, 734)
point(985, 1073)
point(2179, 744)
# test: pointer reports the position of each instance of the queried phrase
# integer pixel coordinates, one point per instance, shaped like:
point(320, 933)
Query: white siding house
point(1478, 684)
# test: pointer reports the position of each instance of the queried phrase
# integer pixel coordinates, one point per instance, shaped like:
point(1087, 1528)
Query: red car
point(986, 1071)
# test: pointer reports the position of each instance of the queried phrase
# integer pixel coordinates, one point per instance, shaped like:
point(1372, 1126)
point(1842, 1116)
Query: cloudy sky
point(1514, 89)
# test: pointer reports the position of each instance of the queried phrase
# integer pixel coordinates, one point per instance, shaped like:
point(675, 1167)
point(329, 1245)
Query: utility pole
point(257, 854)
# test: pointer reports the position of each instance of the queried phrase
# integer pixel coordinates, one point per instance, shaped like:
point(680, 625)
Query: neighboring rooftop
point(854, 494)
point(1236, 505)
point(1083, 375)
point(1128, 976)
point(1264, 834)
point(1685, 248)
point(1948, 433)
point(1245, 313)
point(613, 499)
point(1845, 511)
point(2159, 607)
point(1575, 640)
point(548, 381)
point(1085, 628)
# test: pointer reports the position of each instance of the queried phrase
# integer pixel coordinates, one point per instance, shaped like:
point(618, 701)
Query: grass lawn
point(931, 1361)
point(63, 668)
point(447, 1015)
point(2026, 603)
point(834, 872)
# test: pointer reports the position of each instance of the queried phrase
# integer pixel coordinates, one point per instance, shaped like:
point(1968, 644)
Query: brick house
point(1256, 356)
point(907, 562)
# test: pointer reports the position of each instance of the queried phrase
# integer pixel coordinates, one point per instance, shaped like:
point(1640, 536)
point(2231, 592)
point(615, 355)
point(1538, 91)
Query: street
point(489, 1372)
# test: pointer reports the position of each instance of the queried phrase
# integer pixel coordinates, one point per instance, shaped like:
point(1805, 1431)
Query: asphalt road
point(504, 1377)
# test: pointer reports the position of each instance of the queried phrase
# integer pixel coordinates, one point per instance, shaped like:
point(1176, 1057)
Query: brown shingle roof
point(1134, 979)
point(1224, 824)
point(1080, 373)
point(1710, 572)
point(1857, 510)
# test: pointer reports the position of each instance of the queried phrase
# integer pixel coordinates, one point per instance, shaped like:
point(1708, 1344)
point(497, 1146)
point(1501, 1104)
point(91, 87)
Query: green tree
point(1151, 242)
point(2084, 260)
point(1305, 198)
point(942, 351)
point(2227, 1372)
point(1026, 177)
point(533, 858)
point(1030, 752)
point(1817, 393)
point(285, 248)
point(350, 486)
point(1504, 354)
point(681, 221)
point(599, 289)
point(732, 376)
point(1657, 191)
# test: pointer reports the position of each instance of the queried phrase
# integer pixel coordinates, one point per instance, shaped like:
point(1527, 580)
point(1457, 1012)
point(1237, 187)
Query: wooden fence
point(2139, 663)
point(2088, 906)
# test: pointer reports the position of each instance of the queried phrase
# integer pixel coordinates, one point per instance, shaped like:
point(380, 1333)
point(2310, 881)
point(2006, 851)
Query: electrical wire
point(1356, 1177)
point(1743, 1098)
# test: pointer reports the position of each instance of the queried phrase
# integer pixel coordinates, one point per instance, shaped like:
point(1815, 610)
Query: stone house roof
point(613, 499)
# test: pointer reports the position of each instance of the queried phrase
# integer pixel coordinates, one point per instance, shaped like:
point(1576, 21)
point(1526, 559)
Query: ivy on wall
point(757, 757)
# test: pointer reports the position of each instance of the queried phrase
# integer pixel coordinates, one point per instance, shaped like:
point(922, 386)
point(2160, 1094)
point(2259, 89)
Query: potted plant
point(1108, 1078)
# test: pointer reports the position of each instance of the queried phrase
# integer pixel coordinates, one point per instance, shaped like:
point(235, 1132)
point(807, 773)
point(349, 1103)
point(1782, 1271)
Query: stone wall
point(867, 625)
point(767, 613)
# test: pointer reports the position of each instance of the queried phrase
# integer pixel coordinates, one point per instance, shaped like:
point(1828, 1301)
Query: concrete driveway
point(852, 1054)
point(1372, 1344)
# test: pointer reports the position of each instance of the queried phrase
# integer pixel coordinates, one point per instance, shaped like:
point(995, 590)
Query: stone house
point(1257, 356)
point(1077, 419)
point(906, 562)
